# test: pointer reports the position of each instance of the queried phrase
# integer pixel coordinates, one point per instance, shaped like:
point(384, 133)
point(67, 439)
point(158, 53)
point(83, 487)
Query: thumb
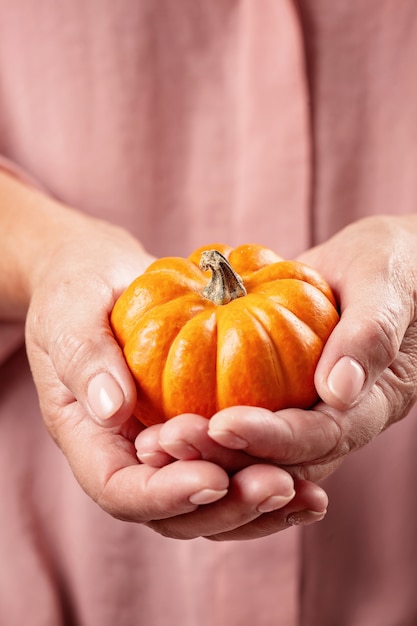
point(364, 343)
point(76, 358)
point(97, 374)
point(110, 396)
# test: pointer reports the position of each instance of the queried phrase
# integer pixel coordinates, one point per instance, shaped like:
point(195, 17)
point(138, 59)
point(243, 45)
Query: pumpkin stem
point(225, 284)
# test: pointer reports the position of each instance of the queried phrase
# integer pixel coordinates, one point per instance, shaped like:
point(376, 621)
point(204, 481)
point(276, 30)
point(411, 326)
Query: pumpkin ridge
point(150, 290)
point(288, 270)
point(294, 327)
point(157, 324)
point(307, 302)
point(250, 380)
point(258, 312)
point(194, 282)
point(175, 398)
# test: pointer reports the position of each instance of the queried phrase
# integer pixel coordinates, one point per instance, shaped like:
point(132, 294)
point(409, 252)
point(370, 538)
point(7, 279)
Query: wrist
point(32, 227)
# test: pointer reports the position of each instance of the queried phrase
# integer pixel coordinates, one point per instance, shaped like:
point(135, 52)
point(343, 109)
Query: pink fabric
point(188, 122)
point(11, 338)
point(159, 116)
point(360, 58)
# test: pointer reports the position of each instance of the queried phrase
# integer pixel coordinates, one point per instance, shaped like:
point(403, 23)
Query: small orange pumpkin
point(250, 335)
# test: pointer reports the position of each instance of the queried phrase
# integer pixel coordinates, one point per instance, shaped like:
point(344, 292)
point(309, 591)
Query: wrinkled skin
point(372, 268)
point(195, 477)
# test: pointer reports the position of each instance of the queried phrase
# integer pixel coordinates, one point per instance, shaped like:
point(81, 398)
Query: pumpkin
point(224, 327)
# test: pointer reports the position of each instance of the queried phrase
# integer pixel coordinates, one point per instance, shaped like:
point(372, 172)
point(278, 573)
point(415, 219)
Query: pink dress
point(188, 122)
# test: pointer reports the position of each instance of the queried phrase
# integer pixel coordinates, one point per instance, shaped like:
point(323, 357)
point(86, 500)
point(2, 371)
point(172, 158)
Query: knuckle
point(71, 353)
point(399, 382)
point(382, 332)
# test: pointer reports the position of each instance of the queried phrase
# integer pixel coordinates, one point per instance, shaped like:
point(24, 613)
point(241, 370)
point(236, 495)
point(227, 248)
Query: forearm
point(31, 226)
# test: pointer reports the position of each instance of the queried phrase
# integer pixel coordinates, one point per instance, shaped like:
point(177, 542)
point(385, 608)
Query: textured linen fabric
point(188, 122)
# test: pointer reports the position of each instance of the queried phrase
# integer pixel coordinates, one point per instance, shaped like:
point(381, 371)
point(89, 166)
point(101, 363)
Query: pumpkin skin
point(191, 355)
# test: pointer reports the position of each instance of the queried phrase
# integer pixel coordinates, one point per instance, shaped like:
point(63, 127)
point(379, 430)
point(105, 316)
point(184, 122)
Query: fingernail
point(154, 459)
point(181, 450)
point(105, 397)
point(206, 496)
point(346, 380)
point(304, 518)
point(228, 439)
point(274, 502)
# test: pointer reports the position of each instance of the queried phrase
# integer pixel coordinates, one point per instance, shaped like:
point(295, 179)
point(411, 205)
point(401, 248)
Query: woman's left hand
point(366, 377)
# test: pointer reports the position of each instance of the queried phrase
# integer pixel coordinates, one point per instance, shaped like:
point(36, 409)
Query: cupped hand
point(367, 375)
point(261, 498)
point(85, 390)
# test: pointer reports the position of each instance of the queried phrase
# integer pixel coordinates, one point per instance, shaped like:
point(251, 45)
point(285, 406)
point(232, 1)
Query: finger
point(253, 491)
point(288, 437)
point(312, 443)
point(308, 506)
point(364, 343)
point(140, 493)
point(375, 288)
point(186, 437)
point(150, 451)
point(105, 464)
